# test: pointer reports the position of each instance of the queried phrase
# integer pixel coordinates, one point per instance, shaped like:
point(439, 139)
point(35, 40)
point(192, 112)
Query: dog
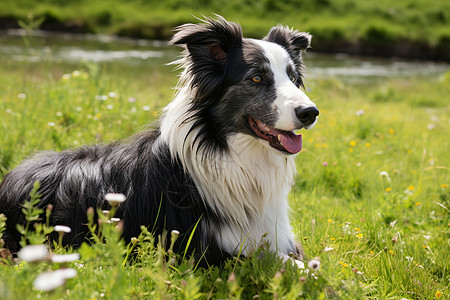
point(217, 166)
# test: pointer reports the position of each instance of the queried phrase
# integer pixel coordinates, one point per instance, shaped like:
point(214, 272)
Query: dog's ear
point(206, 50)
point(294, 41)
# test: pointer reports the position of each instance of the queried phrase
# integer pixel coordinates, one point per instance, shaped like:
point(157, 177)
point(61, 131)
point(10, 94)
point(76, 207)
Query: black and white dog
point(221, 156)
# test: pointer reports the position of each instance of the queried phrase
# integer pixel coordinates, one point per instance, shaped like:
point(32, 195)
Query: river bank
point(405, 29)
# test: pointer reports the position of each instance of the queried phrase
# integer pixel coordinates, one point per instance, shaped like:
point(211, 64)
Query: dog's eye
point(293, 78)
point(257, 79)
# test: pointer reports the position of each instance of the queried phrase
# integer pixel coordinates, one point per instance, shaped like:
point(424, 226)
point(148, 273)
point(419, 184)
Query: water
point(70, 50)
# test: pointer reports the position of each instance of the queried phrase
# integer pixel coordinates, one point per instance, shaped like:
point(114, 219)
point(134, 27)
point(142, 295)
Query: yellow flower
point(391, 131)
point(418, 203)
point(305, 238)
point(343, 264)
point(332, 239)
point(388, 189)
point(352, 143)
point(368, 145)
point(357, 229)
point(411, 188)
point(444, 186)
point(330, 220)
point(438, 294)
point(371, 252)
point(360, 235)
point(391, 252)
point(350, 149)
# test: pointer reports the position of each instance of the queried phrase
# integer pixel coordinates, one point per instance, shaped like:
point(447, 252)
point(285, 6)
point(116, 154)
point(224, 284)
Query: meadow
point(371, 200)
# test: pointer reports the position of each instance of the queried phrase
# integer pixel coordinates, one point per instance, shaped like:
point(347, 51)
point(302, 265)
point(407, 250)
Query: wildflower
point(431, 126)
point(109, 106)
point(391, 252)
point(411, 188)
point(62, 228)
point(101, 97)
point(22, 96)
point(391, 131)
point(66, 77)
point(115, 220)
point(385, 175)
point(368, 145)
point(333, 239)
point(360, 112)
point(325, 163)
point(328, 249)
point(305, 238)
point(112, 95)
point(114, 198)
point(352, 143)
point(357, 229)
point(134, 240)
point(76, 73)
point(371, 252)
point(388, 189)
point(51, 124)
point(360, 235)
point(65, 258)
point(314, 264)
point(444, 185)
point(343, 264)
point(59, 114)
point(146, 108)
point(33, 253)
point(350, 150)
point(418, 203)
point(51, 280)
point(132, 100)
point(79, 108)
point(438, 294)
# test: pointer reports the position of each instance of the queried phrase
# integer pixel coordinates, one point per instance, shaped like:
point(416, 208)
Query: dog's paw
point(295, 262)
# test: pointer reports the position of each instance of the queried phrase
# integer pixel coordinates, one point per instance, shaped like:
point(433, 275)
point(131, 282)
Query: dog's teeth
point(279, 139)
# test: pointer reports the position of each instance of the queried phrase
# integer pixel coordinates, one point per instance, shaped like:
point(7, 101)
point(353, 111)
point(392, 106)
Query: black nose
point(307, 115)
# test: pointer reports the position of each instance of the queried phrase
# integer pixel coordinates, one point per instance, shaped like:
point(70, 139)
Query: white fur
point(289, 96)
point(247, 186)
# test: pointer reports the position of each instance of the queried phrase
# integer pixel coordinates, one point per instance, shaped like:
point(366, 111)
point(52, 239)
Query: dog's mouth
point(286, 141)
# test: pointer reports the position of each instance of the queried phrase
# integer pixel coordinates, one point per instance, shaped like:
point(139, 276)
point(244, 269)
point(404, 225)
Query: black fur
point(160, 193)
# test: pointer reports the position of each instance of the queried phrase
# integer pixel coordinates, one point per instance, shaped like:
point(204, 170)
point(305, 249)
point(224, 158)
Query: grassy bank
point(405, 28)
point(371, 201)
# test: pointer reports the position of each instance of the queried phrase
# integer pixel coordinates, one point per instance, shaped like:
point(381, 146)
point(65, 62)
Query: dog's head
point(245, 85)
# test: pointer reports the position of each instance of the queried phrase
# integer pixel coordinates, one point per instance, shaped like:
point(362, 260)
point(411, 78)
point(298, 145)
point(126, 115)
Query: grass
point(417, 25)
point(371, 200)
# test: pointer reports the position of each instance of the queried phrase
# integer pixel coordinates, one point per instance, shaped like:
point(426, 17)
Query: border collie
point(222, 155)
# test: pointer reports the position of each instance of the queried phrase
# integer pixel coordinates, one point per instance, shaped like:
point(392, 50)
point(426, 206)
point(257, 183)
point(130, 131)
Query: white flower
point(101, 97)
point(314, 264)
point(62, 228)
point(360, 112)
point(109, 106)
point(385, 175)
point(115, 220)
point(51, 124)
point(327, 249)
point(146, 108)
point(115, 198)
point(64, 258)
point(22, 96)
point(112, 95)
point(33, 253)
point(430, 126)
point(51, 280)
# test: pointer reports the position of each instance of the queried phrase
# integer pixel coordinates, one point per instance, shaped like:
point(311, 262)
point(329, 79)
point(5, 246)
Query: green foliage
point(380, 21)
point(377, 236)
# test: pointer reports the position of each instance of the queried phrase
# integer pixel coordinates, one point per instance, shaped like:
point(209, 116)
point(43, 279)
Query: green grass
point(375, 238)
point(420, 22)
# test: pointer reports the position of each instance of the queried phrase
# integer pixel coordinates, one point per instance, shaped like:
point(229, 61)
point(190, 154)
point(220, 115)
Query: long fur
point(203, 163)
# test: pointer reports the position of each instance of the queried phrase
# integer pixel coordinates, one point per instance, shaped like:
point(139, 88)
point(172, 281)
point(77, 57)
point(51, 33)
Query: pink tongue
point(290, 141)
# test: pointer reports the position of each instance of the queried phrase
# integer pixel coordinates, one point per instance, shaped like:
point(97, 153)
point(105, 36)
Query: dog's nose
point(307, 115)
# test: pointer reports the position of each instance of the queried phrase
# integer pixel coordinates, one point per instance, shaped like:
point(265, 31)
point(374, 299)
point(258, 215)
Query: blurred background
point(404, 28)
